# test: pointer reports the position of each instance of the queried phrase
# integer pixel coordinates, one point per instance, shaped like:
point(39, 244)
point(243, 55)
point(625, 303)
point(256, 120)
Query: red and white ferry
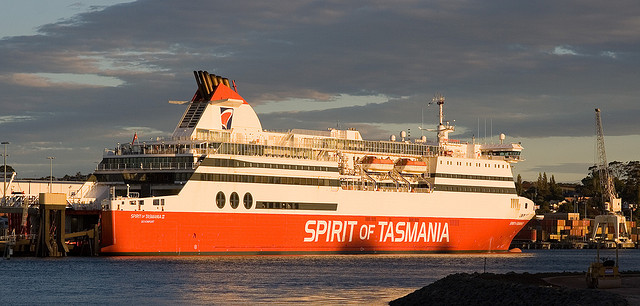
point(223, 185)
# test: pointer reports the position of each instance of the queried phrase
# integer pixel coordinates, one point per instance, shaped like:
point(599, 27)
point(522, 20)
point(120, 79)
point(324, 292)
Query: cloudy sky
point(79, 76)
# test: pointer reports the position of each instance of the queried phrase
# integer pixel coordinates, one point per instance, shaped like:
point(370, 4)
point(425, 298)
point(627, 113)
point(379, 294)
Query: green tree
point(555, 192)
point(9, 169)
point(631, 182)
point(626, 179)
point(544, 208)
point(566, 207)
point(78, 177)
point(543, 186)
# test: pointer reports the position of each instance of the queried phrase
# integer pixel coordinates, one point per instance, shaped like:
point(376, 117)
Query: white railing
point(18, 201)
point(207, 140)
point(148, 166)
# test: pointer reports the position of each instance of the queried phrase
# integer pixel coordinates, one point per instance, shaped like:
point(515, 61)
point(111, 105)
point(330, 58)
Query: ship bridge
point(510, 152)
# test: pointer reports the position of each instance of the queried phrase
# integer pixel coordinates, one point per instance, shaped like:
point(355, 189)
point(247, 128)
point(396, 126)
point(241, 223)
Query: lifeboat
point(374, 164)
point(405, 165)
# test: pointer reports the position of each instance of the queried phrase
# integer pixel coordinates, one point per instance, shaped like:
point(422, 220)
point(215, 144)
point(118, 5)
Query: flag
point(135, 138)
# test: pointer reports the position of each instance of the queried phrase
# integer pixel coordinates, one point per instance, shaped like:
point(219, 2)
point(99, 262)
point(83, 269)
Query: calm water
point(374, 279)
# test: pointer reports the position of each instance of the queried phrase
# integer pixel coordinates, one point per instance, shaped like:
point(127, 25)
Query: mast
point(443, 127)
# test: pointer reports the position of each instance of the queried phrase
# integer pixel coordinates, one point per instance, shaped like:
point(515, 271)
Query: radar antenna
point(444, 128)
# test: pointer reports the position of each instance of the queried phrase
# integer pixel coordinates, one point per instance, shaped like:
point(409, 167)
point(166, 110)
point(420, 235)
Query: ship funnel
point(207, 83)
point(201, 90)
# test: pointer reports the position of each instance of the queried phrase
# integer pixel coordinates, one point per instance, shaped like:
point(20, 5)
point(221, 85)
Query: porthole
point(247, 200)
point(220, 199)
point(234, 200)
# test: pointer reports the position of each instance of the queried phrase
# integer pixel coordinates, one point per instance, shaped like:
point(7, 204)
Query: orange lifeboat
point(405, 165)
point(374, 164)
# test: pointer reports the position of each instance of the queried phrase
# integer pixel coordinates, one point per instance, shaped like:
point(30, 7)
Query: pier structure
point(50, 225)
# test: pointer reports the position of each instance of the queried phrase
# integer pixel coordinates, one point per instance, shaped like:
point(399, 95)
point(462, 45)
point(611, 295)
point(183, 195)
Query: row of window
point(234, 200)
point(141, 202)
point(247, 201)
point(473, 177)
point(388, 147)
point(469, 164)
point(479, 189)
point(151, 177)
point(259, 179)
point(218, 162)
point(311, 143)
point(515, 204)
point(504, 153)
point(294, 205)
point(137, 161)
point(146, 160)
point(263, 150)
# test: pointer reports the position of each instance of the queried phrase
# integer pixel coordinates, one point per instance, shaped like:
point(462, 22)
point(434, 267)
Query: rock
point(504, 289)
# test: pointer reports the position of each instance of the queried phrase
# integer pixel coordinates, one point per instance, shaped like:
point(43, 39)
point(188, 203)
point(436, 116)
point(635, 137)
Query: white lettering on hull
point(147, 218)
point(401, 231)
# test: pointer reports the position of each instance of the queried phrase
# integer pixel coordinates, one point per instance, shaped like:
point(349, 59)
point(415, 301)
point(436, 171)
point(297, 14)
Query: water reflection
point(336, 279)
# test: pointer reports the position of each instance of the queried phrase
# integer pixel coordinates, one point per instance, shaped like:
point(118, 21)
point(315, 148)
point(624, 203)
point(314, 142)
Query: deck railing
point(147, 166)
point(208, 141)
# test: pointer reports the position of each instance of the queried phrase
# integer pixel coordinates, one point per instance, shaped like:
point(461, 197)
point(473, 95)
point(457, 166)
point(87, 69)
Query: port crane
point(609, 197)
point(613, 217)
point(604, 273)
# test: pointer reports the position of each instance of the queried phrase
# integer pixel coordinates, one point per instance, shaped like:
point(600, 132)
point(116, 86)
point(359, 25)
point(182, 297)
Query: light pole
point(4, 190)
point(51, 158)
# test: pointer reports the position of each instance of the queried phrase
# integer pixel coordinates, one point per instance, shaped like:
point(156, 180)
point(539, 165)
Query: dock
point(566, 231)
point(49, 226)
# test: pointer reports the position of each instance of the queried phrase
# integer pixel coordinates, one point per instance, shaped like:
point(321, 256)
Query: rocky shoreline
point(506, 289)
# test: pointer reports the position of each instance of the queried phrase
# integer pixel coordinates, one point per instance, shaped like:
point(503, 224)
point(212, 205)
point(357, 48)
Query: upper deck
point(184, 153)
point(218, 124)
point(219, 121)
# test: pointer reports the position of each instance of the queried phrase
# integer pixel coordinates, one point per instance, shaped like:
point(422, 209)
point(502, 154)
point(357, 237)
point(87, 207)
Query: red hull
point(155, 233)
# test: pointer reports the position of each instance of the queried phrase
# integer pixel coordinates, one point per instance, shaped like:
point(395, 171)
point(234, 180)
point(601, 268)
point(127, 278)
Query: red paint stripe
point(173, 232)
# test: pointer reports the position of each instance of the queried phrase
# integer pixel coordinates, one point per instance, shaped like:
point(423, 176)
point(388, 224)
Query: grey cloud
point(492, 60)
point(576, 171)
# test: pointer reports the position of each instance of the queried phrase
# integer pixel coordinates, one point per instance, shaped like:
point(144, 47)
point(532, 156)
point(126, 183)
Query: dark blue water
point(374, 279)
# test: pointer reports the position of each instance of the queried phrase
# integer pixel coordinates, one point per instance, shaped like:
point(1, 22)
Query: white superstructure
point(220, 163)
